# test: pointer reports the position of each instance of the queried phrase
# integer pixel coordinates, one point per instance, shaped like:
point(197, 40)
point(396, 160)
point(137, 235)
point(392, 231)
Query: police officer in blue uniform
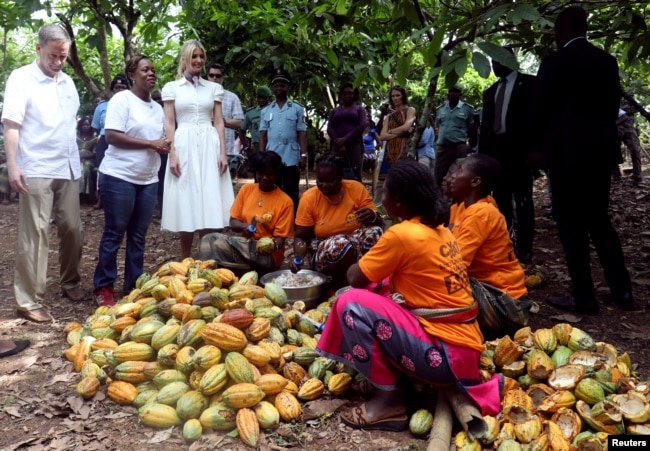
point(283, 130)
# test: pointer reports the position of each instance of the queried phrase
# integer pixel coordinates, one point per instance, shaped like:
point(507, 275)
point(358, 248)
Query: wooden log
point(440, 436)
point(467, 413)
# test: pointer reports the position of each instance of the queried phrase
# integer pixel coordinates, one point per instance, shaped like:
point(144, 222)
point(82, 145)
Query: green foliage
point(424, 45)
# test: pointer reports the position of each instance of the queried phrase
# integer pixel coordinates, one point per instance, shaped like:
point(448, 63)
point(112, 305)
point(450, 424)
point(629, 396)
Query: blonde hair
point(186, 55)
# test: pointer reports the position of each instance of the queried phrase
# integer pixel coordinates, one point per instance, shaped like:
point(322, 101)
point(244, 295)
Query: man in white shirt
point(233, 115)
point(40, 108)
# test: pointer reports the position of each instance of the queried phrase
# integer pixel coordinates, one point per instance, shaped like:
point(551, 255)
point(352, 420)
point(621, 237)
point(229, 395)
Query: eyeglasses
point(213, 75)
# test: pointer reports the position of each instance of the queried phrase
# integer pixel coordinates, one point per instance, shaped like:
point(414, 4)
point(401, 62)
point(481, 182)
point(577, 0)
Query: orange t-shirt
point(454, 212)
point(425, 266)
point(487, 250)
point(274, 211)
point(328, 219)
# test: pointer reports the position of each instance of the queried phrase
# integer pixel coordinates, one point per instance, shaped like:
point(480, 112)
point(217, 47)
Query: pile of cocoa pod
point(195, 346)
point(563, 391)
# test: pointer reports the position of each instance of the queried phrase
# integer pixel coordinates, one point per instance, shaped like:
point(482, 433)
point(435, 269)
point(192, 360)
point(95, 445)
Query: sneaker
point(105, 296)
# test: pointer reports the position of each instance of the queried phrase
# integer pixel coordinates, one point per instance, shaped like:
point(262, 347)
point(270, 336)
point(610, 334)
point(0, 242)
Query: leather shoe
point(525, 257)
point(568, 303)
point(75, 294)
point(39, 315)
point(624, 301)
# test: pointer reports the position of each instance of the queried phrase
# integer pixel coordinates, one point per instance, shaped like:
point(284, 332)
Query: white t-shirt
point(129, 114)
point(46, 110)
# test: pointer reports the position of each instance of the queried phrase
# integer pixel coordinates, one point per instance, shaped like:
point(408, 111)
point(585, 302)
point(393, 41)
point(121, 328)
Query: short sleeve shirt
point(282, 126)
point(454, 124)
point(329, 219)
point(486, 248)
point(251, 122)
point(426, 267)
point(99, 117)
point(129, 114)
point(273, 210)
point(46, 110)
point(231, 109)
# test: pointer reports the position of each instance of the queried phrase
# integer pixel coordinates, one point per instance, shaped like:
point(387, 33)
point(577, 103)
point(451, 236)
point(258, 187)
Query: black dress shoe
point(568, 303)
point(624, 301)
point(525, 257)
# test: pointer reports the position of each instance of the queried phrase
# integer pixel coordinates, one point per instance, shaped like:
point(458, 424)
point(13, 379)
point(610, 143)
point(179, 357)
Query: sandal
point(357, 418)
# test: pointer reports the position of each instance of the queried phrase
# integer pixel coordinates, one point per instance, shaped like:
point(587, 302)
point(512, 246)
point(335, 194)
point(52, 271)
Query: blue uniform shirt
point(282, 126)
point(99, 117)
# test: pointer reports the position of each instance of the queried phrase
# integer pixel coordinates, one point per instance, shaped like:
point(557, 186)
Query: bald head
point(570, 23)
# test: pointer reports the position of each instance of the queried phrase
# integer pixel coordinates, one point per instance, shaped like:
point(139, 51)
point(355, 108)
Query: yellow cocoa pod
point(248, 427)
point(312, 389)
point(122, 393)
point(267, 415)
point(224, 336)
point(159, 415)
point(83, 352)
point(271, 384)
point(175, 286)
point(199, 285)
point(339, 384)
point(242, 395)
point(88, 387)
point(227, 276)
point(256, 355)
point(288, 406)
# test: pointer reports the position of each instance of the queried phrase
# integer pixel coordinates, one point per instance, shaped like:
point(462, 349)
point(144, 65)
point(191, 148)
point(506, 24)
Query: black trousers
point(515, 183)
point(289, 182)
point(446, 154)
point(580, 198)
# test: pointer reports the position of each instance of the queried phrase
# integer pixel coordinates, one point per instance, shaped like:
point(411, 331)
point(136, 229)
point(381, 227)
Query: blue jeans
point(128, 208)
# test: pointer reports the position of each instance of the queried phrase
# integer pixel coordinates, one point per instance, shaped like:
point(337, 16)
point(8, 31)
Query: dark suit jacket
point(517, 138)
point(575, 105)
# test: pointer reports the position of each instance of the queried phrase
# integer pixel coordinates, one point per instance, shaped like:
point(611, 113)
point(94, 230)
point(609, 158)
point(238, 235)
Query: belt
point(443, 315)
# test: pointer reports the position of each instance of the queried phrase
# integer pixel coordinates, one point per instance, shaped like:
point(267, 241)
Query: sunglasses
point(211, 75)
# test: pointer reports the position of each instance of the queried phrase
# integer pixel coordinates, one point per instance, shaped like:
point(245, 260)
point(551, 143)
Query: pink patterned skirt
point(382, 340)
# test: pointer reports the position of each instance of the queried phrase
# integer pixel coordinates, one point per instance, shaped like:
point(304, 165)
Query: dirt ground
point(40, 410)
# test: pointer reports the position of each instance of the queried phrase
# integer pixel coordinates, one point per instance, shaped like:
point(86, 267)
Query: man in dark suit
point(505, 135)
point(576, 103)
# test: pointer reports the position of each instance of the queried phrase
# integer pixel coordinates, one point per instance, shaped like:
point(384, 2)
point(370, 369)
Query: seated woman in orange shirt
point(427, 328)
point(482, 235)
point(260, 210)
point(342, 218)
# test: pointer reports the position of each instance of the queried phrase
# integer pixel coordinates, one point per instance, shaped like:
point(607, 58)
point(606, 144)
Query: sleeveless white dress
point(201, 197)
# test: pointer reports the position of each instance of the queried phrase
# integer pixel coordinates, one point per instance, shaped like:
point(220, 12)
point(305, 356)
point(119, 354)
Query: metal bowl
point(311, 295)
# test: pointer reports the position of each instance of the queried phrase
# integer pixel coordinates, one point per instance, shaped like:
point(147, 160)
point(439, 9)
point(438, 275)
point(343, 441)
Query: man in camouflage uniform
point(252, 119)
point(629, 137)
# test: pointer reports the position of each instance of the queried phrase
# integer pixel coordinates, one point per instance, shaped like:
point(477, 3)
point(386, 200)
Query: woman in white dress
point(198, 190)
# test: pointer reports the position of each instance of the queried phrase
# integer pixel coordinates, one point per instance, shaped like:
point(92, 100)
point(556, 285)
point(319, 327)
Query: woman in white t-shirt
point(129, 182)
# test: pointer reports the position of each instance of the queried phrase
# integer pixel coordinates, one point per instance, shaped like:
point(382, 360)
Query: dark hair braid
point(260, 160)
point(332, 161)
point(413, 184)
